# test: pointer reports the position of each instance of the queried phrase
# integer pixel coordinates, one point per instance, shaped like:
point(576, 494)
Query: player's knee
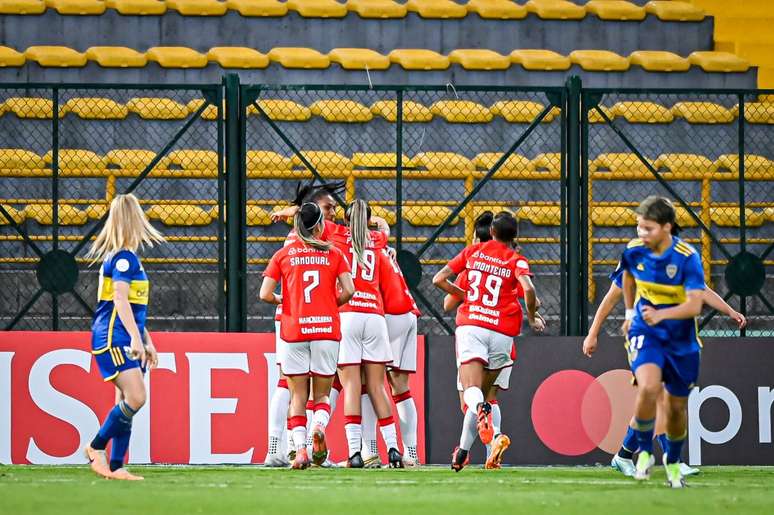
point(136, 398)
point(650, 391)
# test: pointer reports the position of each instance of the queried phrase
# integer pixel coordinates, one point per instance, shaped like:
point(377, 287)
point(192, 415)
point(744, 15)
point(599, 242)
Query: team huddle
point(346, 320)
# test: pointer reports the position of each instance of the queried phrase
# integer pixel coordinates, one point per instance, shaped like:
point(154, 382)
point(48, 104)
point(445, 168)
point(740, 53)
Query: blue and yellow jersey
point(107, 331)
point(662, 282)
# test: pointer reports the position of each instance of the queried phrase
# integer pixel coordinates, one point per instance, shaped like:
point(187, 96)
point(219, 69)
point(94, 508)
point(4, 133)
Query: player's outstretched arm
point(267, 291)
point(347, 288)
point(691, 308)
point(715, 301)
point(611, 298)
point(381, 225)
point(441, 280)
point(530, 299)
point(284, 213)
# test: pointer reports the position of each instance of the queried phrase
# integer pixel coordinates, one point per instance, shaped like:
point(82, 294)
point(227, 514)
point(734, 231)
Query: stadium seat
point(176, 57)
point(187, 159)
point(702, 112)
point(55, 56)
point(514, 162)
point(10, 57)
point(389, 216)
point(497, 9)
point(616, 10)
point(479, 59)
point(359, 59)
point(14, 158)
point(643, 112)
point(157, 108)
point(82, 162)
point(266, 160)
point(659, 61)
point(556, 9)
point(283, 110)
point(198, 7)
point(443, 161)
point(295, 57)
point(181, 215)
point(599, 60)
point(613, 216)
point(724, 62)
point(541, 215)
point(44, 214)
point(92, 108)
point(318, 8)
point(674, 11)
point(685, 164)
point(461, 111)
point(209, 113)
point(728, 216)
point(342, 111)
point(22, 7)
point(96, 211)
point(258, 8)
point(548, 162)
point(684, 219)
point(117, 56)
point(30, 107)
point(138, 7)
point(759, 112)
point(443, 9)
point(237, 57)
point(129, 159)
point(419, 59)
point(382, 160)
point(478, 209)
point(17, 216)
point(428, 216)
point(546, 60)
point(254, 215)
point(412, 111)
point(754, 165)
point(79, 7)
point(383, 9)
point(323, 161)
point(519, 111)
point(595, 117)
point(620, 163)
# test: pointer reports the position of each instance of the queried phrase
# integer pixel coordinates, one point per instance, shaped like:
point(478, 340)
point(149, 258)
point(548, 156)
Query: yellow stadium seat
point(754, 165)
point(541, 215)
point(479, 59)
point(377, 8)
point(659, 61)
point(674, 11)
point(718, 62)
point(479, 209)
point(258, 8)
point(296, 57)
point(323, 161)
point(615, 10)
point(443, 9)
point(94, 108)
point(96, 211)
point(254, 215)
point(176, 57)
point(461, 111)
point(22, 7)
point(595, 117)
point(266, 160)
point(548, 162)
point(620, 163)
point(44, 214)
point(55, 56)
point(702, 112)
point(17, 216)
point(689, 164)
point(198, 7)
point(514, 162)
point(759, 112)
point(117, 56)
point(428, 216)
point(10, 57)
point(237, 57)
point(769, 214)
point(181, 215)
point(191, 159)
point(547, 60)
point(382, 212)
point(497, 9)
point(283, 110)
point(599, 60)
point(30, 107)
point(729, 216)
point(20, 158)
point(318, 8)
point(556, 9)
point(359, 59)
point(520, 111)
point(138, 7)
point(130, 159)
point(386, 160)
point(443, 161)
point(80, 7)
point(412, 111)
point(157, 108)
point(77, 160)
point(419, 59)
point(643, 112)
point(612, 216)
point(342, 111)
point(209, 113)
point(684, 219)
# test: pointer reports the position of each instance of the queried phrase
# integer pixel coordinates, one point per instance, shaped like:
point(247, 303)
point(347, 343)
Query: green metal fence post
point(236, 248)
point(399, 172)
point(742, 208)
point(574, 236)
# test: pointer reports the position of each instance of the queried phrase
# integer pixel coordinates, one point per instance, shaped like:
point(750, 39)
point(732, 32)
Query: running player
point(487, 321)
point(667, 277)
point(118, 328)
point(309, 269)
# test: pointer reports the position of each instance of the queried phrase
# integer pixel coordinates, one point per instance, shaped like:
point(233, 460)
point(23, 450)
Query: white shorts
point(503, 381)
point(317, 357)
point(279, 344)
point(402, 331)
point(363, 339)
point(491, 348)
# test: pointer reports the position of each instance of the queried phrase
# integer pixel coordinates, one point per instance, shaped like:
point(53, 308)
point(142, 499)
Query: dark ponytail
point(307, 218)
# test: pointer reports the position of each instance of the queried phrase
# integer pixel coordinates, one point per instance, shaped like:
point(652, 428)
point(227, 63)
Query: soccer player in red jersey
point(317, 280)
point(487, 321)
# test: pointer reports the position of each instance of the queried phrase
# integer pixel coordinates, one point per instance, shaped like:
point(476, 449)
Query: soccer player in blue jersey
point(667, 277)
point(119, 341)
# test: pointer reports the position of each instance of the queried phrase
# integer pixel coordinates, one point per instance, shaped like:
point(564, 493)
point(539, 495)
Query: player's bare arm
point(715, 301)
point(530, 300)
point(267, 291)
point(611, 298)
point(347, 287)
point(442, 280)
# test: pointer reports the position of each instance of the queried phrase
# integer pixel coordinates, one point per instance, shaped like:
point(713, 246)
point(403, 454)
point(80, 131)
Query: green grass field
point(237, 490)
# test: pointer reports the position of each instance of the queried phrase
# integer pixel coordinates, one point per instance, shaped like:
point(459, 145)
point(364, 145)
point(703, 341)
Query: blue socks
point(117, 427)
point(662, 442)
point(674, 447)
point(629, 445)
point(643, 429)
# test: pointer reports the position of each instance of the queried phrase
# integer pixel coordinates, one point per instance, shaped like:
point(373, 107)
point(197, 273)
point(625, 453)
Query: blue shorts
point(680, 372)
point(115, 359)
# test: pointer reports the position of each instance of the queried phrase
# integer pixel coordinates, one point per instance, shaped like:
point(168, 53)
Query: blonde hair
point(306, 219)
point(358, 215)
point(126, 227)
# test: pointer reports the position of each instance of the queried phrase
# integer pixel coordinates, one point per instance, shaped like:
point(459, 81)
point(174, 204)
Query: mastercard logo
point(574, 413)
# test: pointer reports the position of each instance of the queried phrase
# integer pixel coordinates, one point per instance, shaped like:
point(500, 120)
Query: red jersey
point(366, 276)
point(492, 275)
point(308, 276)
point(395, 292)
